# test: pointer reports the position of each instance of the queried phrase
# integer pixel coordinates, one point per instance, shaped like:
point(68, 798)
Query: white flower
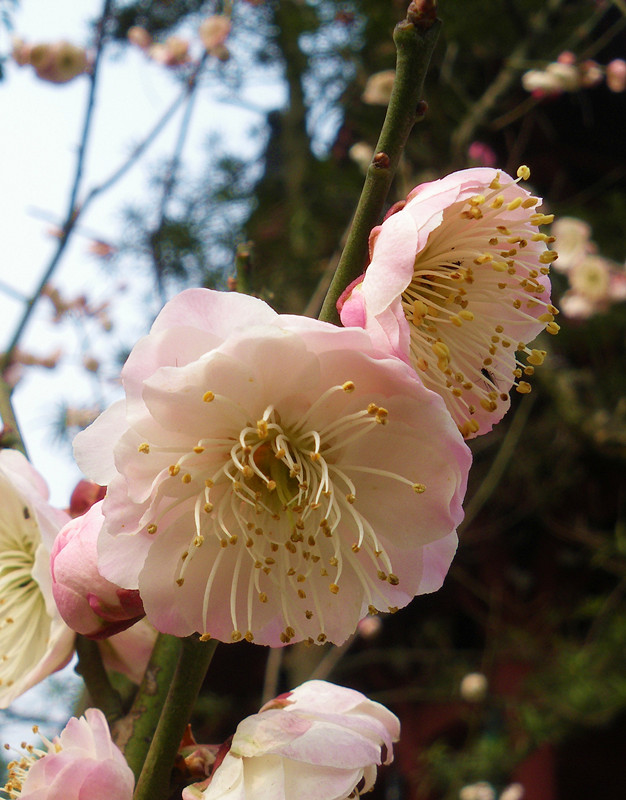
point(318, 742)
point(34, 641)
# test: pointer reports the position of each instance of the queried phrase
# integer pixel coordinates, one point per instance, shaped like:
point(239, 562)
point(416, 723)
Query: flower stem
point(415, 43)
point(133, 734)
point(194, 660)
point(91, 669)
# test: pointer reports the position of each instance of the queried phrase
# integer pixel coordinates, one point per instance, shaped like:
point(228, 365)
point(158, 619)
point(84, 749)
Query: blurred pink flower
point(139, 37)
point(616, 75)
point(319, 742)
point(89, 603)
point(59, 62)
point(33, 638)
point(457, 284)
point(272, 477)
point(214, 30)
point(574, 240)
point(378, 88)
point(482, 155)
point(80, 764)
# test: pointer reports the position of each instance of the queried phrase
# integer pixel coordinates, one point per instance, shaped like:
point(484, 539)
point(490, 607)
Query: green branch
point(194, 660)
point(415, 41)
point(133, 733)
point(91, 669)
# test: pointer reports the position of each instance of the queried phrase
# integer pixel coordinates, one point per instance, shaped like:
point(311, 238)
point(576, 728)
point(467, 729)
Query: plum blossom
point(457, 283)
point(319, 742)
point(574, 238)
point(272, 478)
point(89, 603)
point(34, 640)
point(80, 764)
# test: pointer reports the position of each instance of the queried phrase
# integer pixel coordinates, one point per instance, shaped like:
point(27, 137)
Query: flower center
point(24, 621)
point(284, 496)
point(473, 284)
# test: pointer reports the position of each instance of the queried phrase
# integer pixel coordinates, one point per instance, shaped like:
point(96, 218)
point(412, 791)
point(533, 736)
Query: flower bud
point(473, 687)
point(214, 30)
point(615, 75)
point(89, 603)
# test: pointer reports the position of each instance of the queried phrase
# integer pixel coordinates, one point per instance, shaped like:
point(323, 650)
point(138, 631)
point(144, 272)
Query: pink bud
point(139, 37)
point(89, 603)
point(85, 494)
point(214, 30)
point(616, 75)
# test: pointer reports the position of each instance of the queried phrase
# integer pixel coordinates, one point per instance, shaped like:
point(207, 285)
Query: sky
point(40, 130)
point(38, 144)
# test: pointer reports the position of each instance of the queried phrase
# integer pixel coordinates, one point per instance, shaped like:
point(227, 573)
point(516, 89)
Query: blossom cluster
point(276, 479)
point(57, 62)
point(595, 283)
point(175, 50)
point(566, 74)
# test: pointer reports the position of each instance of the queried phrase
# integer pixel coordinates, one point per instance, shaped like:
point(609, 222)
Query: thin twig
point(71, 215)
point(414, 46)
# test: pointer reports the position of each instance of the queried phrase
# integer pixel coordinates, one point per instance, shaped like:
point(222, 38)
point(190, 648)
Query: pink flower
point(271, 477)
point(89, 603)
point(34, 640)
point(319, 742)
point(81, 764)
point(456, 285)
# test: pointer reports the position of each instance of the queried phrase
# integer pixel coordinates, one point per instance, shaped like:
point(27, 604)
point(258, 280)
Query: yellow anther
point(180, 581)
point(151, 529)
point(455, 321)
point(516, 203)
point(536, 357)
point(186, 478)
point(497, 202)
point(174, 469)
point(466, 315)
point(198, 449)
point(348, 387)
point(393, 579)
point(420, 309)
point(542, 219)
point(144, 447)
point(441, 350)
point(548, 257)
point(249, 636)
point(495, 183)
point(208, 507)
point(499, 266)
point(523, 172)
point(553, 328)
point(236, 636)
point(488, 405)
point(205, 637)
point(477, 200)
point(262, 597)
point(483, 259)
point(333, 588)
point(419, 488)
point(261, 429)
point(208, 397)
point(530, 202)
point(523, 387)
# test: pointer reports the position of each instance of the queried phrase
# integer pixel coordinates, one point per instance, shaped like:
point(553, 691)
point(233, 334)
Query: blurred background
point(231, 155)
